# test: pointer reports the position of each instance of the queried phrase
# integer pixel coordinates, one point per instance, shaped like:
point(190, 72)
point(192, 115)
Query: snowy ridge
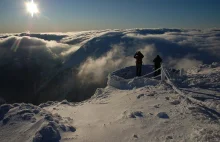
point(129, 109)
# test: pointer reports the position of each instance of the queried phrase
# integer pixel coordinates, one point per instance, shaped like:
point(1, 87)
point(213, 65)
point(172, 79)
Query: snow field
point(128, 109)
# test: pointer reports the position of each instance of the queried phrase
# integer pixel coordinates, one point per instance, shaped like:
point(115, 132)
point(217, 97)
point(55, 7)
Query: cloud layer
point(94, 54)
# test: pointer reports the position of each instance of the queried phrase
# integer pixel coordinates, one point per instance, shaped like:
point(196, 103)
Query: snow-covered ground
point(128, 109)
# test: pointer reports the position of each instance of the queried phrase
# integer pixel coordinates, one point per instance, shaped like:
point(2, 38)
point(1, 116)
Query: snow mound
point(47, 133)
point(40, 125)
point(51, 132)
point(126, 79)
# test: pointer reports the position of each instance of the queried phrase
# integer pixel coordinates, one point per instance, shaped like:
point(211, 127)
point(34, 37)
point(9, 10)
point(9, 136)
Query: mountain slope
point(151, 111)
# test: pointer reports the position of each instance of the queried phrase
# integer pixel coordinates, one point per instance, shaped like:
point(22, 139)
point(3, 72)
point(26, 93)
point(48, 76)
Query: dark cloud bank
point(55, 66)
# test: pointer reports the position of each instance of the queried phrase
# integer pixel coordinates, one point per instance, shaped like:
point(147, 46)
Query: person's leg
point(136, 69)
point(155, 68)
point(158, 71)
point(140, 69)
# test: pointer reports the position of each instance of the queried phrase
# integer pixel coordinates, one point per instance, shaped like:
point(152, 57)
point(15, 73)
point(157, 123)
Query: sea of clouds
point(30, 62)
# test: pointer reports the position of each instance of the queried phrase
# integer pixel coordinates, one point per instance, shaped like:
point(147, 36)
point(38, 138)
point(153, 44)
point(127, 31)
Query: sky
point(78, 15)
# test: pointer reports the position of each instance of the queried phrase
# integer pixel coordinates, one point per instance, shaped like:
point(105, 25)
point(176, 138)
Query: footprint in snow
point(139, 96)
point(135, 114)
point(167, 98)
point(163, 115)
point(152, 94)
point(157, 106)
point(175, 102)
point(135, 136)
point(169, 137)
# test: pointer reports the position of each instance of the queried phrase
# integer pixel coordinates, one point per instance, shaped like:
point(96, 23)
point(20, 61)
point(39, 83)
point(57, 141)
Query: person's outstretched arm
point(142, 55)
point(135, 55)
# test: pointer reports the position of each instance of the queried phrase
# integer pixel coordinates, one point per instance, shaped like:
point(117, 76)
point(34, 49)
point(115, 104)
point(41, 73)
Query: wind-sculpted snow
point(39, 60)
point(39, 124)
point(128, 109)
point(126, 78)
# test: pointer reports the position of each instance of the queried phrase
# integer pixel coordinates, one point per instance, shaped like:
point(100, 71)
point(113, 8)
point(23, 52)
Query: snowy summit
point(140, 109)
point(109, 71)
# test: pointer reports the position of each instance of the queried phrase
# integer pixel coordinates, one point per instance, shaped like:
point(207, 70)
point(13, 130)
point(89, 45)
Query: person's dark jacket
point(157, 60)
point(138, 56)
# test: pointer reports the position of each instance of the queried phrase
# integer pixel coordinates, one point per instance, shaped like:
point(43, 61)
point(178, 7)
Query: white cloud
point(45, 53)
point(100, 52)
point(184, 63)
point(96, 70)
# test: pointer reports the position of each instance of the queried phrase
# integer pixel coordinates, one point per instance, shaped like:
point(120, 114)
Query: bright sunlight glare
point(32, 7)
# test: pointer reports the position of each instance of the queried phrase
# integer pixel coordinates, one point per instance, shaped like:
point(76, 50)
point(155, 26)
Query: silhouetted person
point(157, 64)
point(138, 56)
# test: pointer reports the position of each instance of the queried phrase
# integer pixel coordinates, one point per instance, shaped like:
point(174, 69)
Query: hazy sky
point(75, 15)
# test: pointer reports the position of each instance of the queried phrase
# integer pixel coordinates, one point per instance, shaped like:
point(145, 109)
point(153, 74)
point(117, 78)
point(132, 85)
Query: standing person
point(138, 56)
point(157, 64)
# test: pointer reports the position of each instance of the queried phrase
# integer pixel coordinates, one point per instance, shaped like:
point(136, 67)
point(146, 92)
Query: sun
point(32, 7)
